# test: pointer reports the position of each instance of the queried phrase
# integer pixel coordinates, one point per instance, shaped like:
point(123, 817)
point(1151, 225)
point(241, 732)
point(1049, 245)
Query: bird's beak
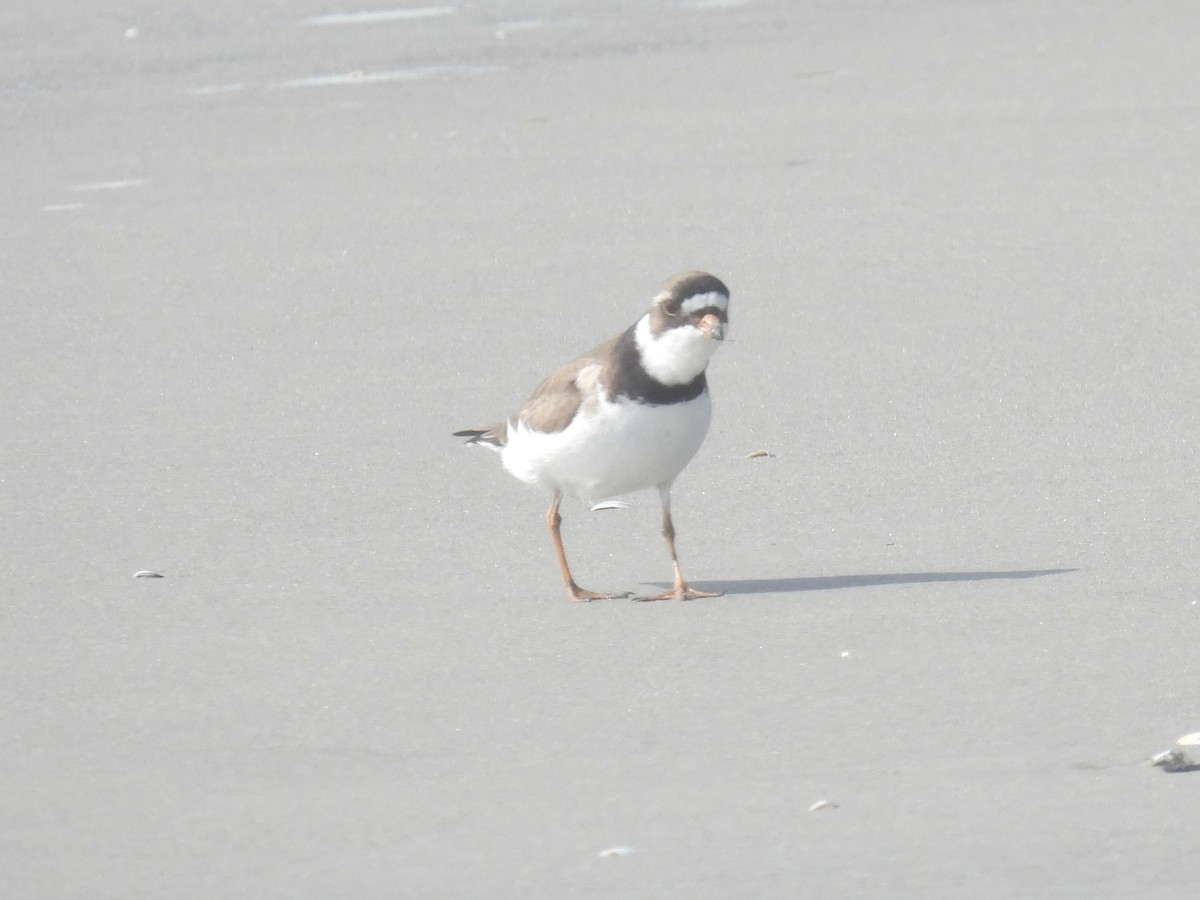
point(713, 327)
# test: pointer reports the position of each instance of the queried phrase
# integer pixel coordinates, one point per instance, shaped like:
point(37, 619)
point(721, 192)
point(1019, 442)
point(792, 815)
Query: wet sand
point(258, 268)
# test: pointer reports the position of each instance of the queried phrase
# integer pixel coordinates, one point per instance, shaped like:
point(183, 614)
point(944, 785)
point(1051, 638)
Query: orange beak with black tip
point(712, 325)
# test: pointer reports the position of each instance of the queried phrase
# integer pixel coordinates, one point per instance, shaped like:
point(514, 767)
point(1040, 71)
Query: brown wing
point(554, 403)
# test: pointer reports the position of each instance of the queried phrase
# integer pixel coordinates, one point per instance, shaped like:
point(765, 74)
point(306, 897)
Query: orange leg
point(578, 594)
point(680, 591)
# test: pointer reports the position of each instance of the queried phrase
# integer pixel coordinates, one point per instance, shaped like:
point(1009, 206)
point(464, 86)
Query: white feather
point(714, 299)
point(611, 448)
point(677, 355)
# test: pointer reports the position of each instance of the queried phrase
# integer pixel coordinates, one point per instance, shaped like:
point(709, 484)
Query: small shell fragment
point(611, 503)
point(1183, 757)
point(614, 851)
point(146, 573)
point(759, 454)
point(822, 804)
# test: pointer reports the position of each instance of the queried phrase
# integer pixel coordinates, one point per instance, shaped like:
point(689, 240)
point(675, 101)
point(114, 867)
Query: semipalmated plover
point(628, 415)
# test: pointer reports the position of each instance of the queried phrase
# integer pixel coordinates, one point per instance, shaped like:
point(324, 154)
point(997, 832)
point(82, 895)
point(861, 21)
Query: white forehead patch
point(702, 301)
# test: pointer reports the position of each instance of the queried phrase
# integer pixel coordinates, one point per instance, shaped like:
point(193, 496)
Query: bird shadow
point(836, 582)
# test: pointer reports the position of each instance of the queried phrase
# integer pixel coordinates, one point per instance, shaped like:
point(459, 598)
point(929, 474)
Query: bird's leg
point(578, 594)
point(680, 591)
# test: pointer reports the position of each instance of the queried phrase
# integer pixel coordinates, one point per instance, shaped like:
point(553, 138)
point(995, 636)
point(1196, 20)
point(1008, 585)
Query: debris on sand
point(1183, 757)
point(615, 851)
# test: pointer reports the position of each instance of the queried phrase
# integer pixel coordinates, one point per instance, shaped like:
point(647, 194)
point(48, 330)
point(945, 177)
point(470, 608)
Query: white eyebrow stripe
point(701, 301)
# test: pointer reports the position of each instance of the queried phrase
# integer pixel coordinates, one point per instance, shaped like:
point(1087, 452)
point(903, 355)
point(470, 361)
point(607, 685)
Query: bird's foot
point(680, 592)
point(580, 595)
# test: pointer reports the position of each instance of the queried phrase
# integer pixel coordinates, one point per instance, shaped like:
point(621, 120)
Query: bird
point(626, 416)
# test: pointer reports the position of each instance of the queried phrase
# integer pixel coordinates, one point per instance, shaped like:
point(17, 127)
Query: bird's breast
point(612, 447)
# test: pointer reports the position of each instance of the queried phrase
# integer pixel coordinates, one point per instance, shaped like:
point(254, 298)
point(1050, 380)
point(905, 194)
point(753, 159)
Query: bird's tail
point(493, 437)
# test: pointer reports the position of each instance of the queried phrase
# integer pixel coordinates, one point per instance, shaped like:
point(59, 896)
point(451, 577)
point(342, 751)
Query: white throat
point(677, 355)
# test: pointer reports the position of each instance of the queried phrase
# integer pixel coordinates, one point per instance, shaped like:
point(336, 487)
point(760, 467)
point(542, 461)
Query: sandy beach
point(261, 259)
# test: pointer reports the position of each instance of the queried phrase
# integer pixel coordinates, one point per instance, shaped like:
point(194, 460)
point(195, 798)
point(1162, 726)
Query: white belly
point(611, 449)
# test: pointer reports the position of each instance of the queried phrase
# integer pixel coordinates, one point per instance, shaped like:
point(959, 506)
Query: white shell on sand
point(614, 851)
point(1183, 757)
